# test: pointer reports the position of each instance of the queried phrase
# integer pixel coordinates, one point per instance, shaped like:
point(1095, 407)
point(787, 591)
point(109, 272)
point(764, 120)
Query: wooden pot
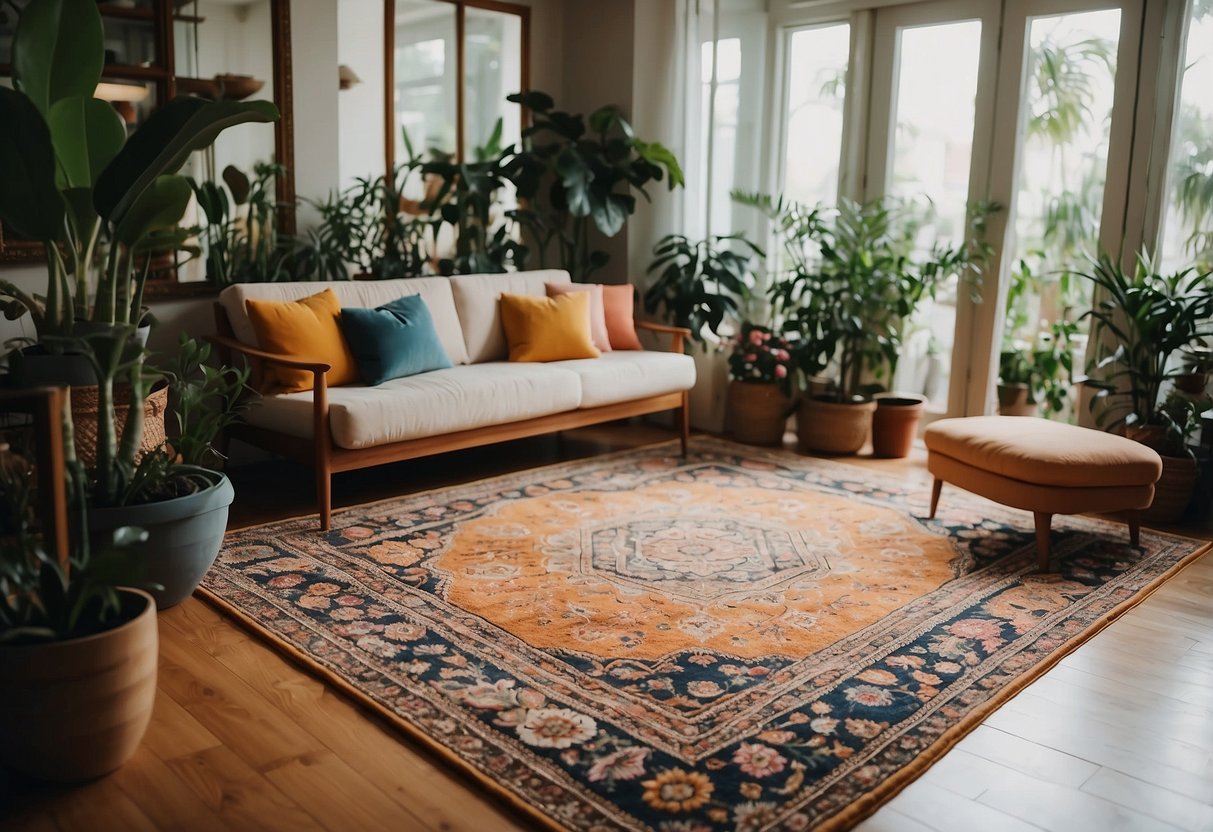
point(77, 709)
point(895, 425)
point(758, 412)
point(1013, 400)
point(1173, 491)
point(833, 427)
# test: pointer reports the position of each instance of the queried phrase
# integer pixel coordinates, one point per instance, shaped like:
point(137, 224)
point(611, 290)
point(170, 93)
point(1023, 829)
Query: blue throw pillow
point(395, 340)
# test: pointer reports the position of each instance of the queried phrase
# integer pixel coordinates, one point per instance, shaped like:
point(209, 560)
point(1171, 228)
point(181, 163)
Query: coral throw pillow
point(395, 340)
point(548, 329)
point(306, 330)
point(598, 327)
point(617, 307)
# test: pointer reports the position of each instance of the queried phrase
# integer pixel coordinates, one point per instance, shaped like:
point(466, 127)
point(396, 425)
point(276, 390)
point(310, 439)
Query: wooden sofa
point(352, 427)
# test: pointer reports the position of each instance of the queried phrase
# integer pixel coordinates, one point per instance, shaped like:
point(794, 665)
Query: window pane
point(425, 76)
point(1187, 236)
point(720, 166)
point(1065, 120)
point(493, 56)
point(817, 82)
point(929, 160)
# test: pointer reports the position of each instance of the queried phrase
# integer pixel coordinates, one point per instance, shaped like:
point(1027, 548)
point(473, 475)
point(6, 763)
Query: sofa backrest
point(476, 297)
point(366, 294)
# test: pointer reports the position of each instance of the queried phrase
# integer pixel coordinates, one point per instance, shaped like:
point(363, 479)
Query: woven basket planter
point(758, 412)
point(84, 420)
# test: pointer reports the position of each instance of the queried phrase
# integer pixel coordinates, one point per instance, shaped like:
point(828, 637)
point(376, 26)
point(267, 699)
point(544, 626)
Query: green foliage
point(101, 207)
point(700, 282)
point(204, 400)
point(1062, 76)
point(244, 247)
point(39, 599)
point(575, 172)
point(1142, 320)
point(852, 280)
point(1046, 366)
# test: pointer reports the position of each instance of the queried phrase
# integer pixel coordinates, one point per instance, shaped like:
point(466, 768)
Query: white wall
point(314, 50)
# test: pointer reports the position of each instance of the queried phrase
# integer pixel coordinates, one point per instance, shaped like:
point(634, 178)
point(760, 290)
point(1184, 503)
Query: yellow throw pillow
point(306, 330)
point(548, 329)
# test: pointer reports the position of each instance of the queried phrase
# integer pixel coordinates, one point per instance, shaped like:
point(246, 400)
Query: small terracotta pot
point(895, 425)
point(1013, 401)
point(1192, 383)
point(1173, 491)
point(78, 709)
point(833, 427)
point(758, 412)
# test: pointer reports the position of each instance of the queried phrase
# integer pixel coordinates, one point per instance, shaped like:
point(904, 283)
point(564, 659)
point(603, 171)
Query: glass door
point(1060, 161)
point(931, 114)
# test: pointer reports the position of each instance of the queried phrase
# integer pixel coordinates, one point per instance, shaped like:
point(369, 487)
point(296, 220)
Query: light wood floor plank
point(1155, 801)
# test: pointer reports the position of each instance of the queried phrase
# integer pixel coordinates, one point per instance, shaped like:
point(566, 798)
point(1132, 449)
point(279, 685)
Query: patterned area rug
point(743, 640)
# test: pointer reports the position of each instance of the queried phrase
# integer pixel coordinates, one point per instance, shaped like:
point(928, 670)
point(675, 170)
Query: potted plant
point(1142, 321)
point(175, 493)
point(575, 172)
point(701, 285)
point(78, 645)
point(1036, 377)
point(1016, 396)
point(760, 390)
point(850, 287)
point(1197, 364)
point(99, 202)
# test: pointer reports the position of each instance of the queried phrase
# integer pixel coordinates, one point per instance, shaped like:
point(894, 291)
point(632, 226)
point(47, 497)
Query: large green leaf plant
point(101, 203)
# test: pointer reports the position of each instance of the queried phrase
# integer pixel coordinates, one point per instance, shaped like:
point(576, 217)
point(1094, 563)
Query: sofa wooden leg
point(1134, 519)
point(684, 421)
point(1044, 522)
point(936, 489)
point(324, 497)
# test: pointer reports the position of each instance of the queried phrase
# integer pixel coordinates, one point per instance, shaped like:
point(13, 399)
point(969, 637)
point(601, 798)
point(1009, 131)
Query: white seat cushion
point(624, 375)
point(429, 404)
point(476, 300)
point(364, 294)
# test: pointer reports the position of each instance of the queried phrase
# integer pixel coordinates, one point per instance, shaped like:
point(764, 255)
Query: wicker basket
point(84, 420)
point(758, 412)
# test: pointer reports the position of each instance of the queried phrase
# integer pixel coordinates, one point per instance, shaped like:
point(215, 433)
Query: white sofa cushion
point(430, 404)
point(366, 294)
point(624, 375)
point(476, 300)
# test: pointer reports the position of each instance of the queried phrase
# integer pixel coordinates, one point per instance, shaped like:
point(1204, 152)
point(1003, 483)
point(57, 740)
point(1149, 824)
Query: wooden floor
point(1118, 736)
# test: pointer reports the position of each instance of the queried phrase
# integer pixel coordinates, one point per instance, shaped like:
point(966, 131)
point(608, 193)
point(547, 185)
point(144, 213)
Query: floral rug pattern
point(742, 640)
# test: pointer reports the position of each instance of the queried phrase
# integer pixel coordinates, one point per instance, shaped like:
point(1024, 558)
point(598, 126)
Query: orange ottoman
point(1043, 467)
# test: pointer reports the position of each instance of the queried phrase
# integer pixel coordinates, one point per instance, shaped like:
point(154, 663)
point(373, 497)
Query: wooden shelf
point(138, 73)
point(140, 13)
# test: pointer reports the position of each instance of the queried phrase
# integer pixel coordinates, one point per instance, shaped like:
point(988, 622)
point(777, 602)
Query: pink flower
point(751, 358)
point(781, 371)
point(625, 764)
point(758, 760)
point(756, 337)
point(782, 355)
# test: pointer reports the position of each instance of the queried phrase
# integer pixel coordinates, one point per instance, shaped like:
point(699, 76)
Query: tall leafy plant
point(576, 173)
point(1141, 321)
point(101, 204)
point(241, 240)
point(700, 283)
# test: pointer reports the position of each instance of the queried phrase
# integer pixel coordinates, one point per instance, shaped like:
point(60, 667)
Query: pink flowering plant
point(761, 355)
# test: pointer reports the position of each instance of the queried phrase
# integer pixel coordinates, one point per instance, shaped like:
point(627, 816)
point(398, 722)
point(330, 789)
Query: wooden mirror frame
point(389, 66)
point(27, 251)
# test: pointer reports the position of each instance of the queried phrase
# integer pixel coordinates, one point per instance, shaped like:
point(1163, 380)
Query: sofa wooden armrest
point(271, 357)
point(678, 334)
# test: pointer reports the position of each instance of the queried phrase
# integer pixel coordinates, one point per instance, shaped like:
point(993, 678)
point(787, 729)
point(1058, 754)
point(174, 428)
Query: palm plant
point(1143, 319)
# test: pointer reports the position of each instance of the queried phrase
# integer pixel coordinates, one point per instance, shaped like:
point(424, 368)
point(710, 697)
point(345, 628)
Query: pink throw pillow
point(598, 326)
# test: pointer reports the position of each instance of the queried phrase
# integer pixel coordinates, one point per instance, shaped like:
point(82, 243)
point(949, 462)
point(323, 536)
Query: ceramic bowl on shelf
point(237, 87)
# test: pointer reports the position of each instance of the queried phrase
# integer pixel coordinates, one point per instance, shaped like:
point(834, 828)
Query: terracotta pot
point(75, 710)
point(1013, 401)
point(895, 425)
point(1173, 491)
point(833, 427)
point(758, 412)
point(1193, 384)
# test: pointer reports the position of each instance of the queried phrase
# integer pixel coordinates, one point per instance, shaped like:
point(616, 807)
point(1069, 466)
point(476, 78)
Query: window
point(719, 150)
point(816, 96)
point(1187, 230)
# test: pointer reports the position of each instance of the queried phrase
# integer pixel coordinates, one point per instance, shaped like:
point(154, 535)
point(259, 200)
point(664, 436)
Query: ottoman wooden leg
point(935, 489)
point(1134, 519)
point(1044, 522)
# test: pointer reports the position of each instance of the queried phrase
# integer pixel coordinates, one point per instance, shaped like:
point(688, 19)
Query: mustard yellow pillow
point(304, 329)
point(548, 329)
